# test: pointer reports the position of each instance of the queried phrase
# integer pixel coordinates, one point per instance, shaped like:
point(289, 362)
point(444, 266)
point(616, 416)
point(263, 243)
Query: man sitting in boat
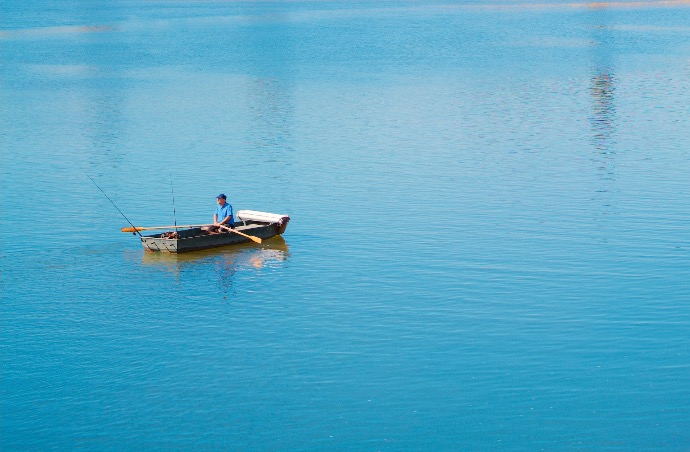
point(222, 216)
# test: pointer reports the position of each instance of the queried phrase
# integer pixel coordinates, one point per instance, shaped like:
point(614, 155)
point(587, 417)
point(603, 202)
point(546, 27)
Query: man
point(222, 216)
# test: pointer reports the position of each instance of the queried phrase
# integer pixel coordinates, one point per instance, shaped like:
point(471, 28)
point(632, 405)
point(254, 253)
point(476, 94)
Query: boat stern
point(280, 220)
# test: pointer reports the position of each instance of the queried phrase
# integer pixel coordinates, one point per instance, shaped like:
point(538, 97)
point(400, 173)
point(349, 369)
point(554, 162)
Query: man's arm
point(228, 218)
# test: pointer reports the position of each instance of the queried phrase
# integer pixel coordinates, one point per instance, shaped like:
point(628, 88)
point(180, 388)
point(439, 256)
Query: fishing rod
point(173, 197)
point(111, 201)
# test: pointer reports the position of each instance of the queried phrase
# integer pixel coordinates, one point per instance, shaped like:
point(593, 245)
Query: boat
point(261, 225)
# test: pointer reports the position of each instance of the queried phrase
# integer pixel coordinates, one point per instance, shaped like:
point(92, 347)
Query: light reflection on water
point(603, 117)
point(603, 110)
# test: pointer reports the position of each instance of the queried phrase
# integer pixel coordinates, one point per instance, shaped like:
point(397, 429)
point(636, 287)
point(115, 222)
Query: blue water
point(489, 243)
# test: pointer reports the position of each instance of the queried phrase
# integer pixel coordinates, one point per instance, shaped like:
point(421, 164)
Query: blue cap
point(221, 196)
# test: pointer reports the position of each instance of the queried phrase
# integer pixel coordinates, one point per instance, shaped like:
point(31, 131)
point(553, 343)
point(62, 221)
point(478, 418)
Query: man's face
point(221, 201)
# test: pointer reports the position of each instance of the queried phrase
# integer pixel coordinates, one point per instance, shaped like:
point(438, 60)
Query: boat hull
point(195, 239)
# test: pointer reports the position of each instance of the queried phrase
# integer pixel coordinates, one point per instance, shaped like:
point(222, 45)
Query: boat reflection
point(226, 262)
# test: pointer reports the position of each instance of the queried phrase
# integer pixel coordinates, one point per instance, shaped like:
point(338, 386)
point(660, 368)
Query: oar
point(250, 237)
point(137, 228)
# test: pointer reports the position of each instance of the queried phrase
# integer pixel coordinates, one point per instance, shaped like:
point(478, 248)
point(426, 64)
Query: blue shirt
point(222, 212)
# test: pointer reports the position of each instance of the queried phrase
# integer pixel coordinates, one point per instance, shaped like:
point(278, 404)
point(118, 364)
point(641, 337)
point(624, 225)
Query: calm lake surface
point(489, 245)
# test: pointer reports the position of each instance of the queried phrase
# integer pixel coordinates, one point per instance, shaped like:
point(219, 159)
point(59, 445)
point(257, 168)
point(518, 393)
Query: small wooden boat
point(263, 225)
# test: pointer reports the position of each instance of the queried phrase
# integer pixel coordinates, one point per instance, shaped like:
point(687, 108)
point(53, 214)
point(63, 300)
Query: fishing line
point(173, 197)
point(111, 201)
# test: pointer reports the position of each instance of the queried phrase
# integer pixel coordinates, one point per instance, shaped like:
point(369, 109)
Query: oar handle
point(250, 237)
